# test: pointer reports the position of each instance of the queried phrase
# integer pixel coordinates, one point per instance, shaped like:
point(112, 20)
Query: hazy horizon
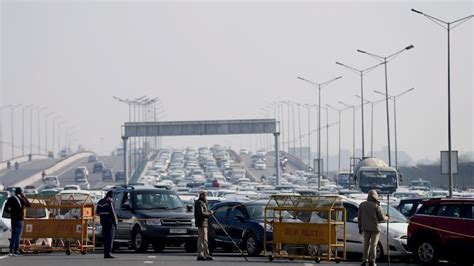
point(211, 60)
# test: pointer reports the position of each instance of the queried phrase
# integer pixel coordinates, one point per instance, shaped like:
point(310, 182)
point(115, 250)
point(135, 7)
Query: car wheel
point(251, 245)
point(138, 241)
point(426, 252)
point(379, 252)
point(190, 246)
point(158, 248)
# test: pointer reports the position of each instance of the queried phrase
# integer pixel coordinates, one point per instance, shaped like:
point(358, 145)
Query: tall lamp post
point(327, 134)
point(385, 60)
point(45, 132)
point(319, 86)
point(339, 136)
point(353, 130)
point(1, 131)
point(372, 104)
point(23, 128)
point(12, 107)
point(448, 26)
point(361, 72)
point(394, 98)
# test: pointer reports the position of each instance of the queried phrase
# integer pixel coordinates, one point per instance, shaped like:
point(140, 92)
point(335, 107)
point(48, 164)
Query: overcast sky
point(227, 60)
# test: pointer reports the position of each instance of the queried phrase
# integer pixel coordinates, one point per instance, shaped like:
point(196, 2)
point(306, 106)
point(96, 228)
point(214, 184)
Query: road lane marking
point(152, 257)
point(2, 257)
point(148, 262)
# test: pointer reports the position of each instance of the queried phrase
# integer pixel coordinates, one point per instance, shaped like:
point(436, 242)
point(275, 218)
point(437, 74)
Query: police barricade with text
point(305, 227)
point(68, 226)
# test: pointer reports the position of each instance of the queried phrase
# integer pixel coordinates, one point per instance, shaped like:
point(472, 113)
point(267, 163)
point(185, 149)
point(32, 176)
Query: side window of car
point(406, 208)
point(221, 211)
point(428, 209)
point(236, 211)
point(451, 210)
point(118, 198)
point(467, 212)
point(351, 213)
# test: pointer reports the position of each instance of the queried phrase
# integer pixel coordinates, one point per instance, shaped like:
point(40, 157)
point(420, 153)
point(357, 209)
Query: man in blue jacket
point(108, 220)
point(15, 206)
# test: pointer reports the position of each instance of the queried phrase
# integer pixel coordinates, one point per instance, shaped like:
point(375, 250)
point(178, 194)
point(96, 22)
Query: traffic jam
point(206, 201)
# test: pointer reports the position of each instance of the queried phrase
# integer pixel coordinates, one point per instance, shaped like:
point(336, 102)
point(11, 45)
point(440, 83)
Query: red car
point(443, 228)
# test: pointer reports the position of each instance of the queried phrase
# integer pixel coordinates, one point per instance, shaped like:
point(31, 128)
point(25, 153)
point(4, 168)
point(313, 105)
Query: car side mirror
point(126, 206)
point(189, 208)
point(240, 218)
point(355, 220)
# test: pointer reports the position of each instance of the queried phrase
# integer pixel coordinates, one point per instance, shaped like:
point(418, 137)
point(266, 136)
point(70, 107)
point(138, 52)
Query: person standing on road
point(201, 217)
point(108, 220)
point(15, 206)
point(370, 215)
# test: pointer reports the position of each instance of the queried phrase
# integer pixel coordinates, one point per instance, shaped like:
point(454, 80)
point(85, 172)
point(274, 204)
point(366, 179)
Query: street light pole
point(385, 60)
point(353, 131)
point(339, 136)
point(448, 26)
point(23, 128)
point(394, 98)
point(319, 86)
point(45, 132)
point(1, 131)
point(13, 138)
point(361, 72)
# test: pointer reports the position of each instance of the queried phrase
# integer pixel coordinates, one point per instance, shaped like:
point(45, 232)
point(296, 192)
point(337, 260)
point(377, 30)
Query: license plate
point(178, 231)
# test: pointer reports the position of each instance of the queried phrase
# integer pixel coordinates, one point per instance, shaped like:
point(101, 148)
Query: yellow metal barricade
point(59, 223)
point(305, 227)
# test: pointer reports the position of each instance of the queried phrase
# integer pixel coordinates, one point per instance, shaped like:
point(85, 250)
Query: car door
point(354, 241)
point(216, 232)
point(236, 223)
point(123, 215)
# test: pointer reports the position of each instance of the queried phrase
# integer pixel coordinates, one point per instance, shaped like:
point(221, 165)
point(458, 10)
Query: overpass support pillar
point(124, 140)
point(277, 157)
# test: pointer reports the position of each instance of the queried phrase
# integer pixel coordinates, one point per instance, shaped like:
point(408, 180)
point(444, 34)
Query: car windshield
point(395, 215)
point(164, 200)
point(257, 212)
point(381, 178)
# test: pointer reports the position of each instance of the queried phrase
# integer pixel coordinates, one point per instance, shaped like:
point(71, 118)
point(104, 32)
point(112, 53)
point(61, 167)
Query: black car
point(92, 158)
point(157, 216)
point(120, 175)
point(107, 174)
point(98, 167)
point(408, 207)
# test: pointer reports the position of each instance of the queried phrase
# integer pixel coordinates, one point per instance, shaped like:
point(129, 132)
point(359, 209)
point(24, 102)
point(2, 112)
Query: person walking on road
point(15, 206)
point(201, 217)
point(108, 220)
point(370, 215)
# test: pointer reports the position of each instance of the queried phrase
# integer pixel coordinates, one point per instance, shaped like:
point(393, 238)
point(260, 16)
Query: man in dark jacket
point(370, 216)
point(108, 220)
point(201, 217)
point(15, 206)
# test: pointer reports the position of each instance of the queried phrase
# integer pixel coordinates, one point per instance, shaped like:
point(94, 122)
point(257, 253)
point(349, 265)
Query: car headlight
point(153, 222)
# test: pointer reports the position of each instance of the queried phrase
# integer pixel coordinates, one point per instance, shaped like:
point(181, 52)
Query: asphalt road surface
point(27, 169)
point(168, 258)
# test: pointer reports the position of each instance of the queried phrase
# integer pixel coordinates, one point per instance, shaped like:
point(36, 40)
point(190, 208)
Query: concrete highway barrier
point(59, 165)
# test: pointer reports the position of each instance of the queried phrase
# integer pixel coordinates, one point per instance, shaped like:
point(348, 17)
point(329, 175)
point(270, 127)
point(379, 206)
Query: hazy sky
point(211, 60)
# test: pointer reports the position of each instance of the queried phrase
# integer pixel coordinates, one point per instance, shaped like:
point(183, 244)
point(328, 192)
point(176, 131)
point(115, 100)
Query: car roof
point(446, 200)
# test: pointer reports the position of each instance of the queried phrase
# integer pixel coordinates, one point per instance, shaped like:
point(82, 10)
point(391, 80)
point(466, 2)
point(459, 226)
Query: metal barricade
point(68, 226)
point(305, 227)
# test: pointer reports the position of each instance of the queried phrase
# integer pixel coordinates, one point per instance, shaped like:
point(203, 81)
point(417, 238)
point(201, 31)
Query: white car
point(51, 181)
point(355, 241)
point(260, 165)
point(5, 225)
point(72, 187)
point(83, 184)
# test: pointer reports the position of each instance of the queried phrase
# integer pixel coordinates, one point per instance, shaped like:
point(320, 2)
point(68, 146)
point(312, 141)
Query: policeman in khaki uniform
point(370, 216)
point(201, 217)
